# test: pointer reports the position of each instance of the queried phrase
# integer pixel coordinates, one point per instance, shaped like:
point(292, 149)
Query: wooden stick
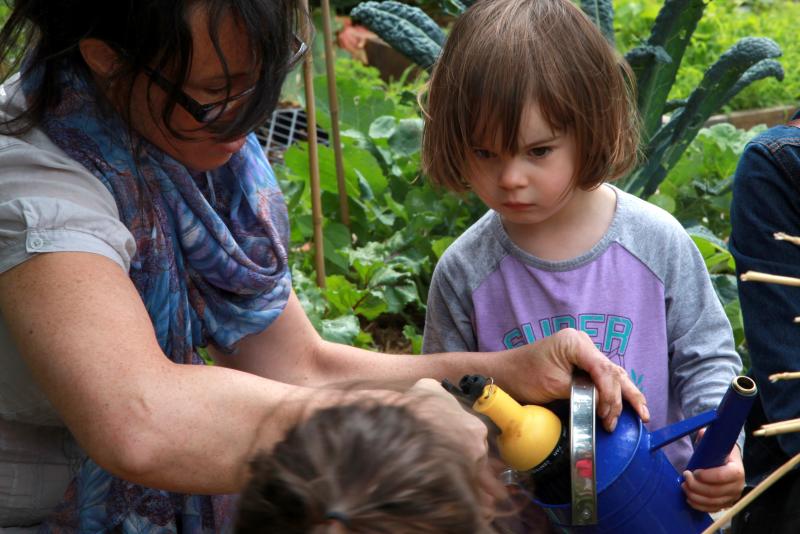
point(781, 236)
point(753, 276)
point(750, 497)
point(793, 375)
point(793, 426)
point(313, 149)
point(333, 105)
point(778, 424)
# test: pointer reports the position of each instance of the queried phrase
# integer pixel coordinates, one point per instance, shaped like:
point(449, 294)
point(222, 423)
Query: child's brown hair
point(358, 469)
point(502, 55)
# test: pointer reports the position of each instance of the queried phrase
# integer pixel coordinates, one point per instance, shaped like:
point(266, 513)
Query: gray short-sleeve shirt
point(48, 203)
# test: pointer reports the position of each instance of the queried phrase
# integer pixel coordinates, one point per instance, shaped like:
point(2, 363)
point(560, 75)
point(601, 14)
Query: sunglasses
point(206, 113)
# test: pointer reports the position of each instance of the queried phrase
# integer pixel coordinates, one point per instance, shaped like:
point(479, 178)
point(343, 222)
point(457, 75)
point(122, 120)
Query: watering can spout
point(723, 426)
point(721, 435)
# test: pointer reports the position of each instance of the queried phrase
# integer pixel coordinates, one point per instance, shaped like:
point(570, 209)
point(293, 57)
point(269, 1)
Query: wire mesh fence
point(286, 126)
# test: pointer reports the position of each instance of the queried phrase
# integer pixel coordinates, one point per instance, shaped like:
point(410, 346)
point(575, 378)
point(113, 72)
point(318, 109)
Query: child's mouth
point(517, 206)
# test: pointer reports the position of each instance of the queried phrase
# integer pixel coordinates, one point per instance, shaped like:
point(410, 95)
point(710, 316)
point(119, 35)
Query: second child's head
point(363, 468)
point(528, 93)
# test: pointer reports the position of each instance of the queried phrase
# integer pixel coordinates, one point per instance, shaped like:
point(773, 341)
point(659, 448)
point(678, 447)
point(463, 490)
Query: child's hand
point(711, 490)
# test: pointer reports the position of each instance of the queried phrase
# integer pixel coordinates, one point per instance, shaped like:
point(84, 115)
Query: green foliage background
point(724, 23)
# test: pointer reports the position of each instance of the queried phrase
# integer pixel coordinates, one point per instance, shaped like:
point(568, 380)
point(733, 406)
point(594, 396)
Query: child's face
point(534, 184)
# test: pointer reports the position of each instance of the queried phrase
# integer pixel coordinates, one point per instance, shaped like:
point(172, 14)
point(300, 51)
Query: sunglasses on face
point(205, 113)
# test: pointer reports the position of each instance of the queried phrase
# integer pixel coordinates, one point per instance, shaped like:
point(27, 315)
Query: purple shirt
point(642, 294)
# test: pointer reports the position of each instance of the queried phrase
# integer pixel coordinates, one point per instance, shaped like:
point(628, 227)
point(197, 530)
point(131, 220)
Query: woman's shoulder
point(49, 202)
point(32, 166)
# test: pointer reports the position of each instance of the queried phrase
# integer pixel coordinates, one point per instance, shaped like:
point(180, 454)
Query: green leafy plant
point(723, 24)
point(655, 64)
point(379, 269)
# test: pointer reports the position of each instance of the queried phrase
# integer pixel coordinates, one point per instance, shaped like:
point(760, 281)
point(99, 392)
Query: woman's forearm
point(83, 332)
point(205, 426)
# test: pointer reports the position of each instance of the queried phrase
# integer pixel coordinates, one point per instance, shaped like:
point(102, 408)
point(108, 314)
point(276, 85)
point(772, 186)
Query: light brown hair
point(362, 469)
point(500, 56)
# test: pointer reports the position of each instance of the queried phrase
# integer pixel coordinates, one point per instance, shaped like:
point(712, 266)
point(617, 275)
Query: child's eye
point(540, 151)
point(481, 153)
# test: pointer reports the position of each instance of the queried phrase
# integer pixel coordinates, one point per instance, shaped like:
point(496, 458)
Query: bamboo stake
point(785, 376)
point(750, 497)
point(333, 103)
point(753, 276)
point(778, 424)
point(790, 426)
point(780, 236)
point(313, 150)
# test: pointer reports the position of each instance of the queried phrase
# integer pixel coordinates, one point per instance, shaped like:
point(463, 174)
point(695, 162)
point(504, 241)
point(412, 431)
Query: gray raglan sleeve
point(448, 320)
point(703, 359)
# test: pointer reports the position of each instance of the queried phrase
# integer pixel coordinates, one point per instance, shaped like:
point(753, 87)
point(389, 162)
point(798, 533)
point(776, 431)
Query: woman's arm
point(83, 331)
point(290, 350)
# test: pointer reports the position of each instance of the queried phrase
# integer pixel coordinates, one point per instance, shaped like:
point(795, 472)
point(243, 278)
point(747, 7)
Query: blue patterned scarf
point(210, 266)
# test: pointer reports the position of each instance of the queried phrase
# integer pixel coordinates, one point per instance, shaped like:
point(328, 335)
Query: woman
point(139, 221)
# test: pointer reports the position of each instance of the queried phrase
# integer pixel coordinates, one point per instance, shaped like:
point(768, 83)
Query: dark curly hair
point(147, 34)
point(362, 469)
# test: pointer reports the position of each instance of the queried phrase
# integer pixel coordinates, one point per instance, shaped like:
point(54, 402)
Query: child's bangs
point(496, 101)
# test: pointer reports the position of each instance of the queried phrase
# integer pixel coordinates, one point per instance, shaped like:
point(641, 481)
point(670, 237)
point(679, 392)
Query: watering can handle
point(582, 451)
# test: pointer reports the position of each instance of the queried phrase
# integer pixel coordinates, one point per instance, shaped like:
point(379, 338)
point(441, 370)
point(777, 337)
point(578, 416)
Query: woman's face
point(205, 83)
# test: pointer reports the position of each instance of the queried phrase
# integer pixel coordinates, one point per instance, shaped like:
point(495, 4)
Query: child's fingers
point(708, 504)
point(729, 489)
point(711, 497)
point(724, 474)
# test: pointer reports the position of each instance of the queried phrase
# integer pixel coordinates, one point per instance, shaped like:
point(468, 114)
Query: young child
point(531, 108)
point(363, 469)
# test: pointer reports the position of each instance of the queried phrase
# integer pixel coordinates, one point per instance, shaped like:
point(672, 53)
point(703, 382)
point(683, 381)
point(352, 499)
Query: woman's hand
point(542, 372)
point(711, 490)
point(445, 413)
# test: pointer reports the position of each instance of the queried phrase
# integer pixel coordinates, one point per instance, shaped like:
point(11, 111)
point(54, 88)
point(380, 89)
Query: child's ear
point(101, 58)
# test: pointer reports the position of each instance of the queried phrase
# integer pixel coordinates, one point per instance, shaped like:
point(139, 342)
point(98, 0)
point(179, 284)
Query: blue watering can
point(593, 481)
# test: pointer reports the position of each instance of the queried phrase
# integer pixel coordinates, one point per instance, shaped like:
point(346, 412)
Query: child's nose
point(512, 175)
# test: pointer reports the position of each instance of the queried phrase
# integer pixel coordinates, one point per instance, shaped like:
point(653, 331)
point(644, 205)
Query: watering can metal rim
point(583, 473)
